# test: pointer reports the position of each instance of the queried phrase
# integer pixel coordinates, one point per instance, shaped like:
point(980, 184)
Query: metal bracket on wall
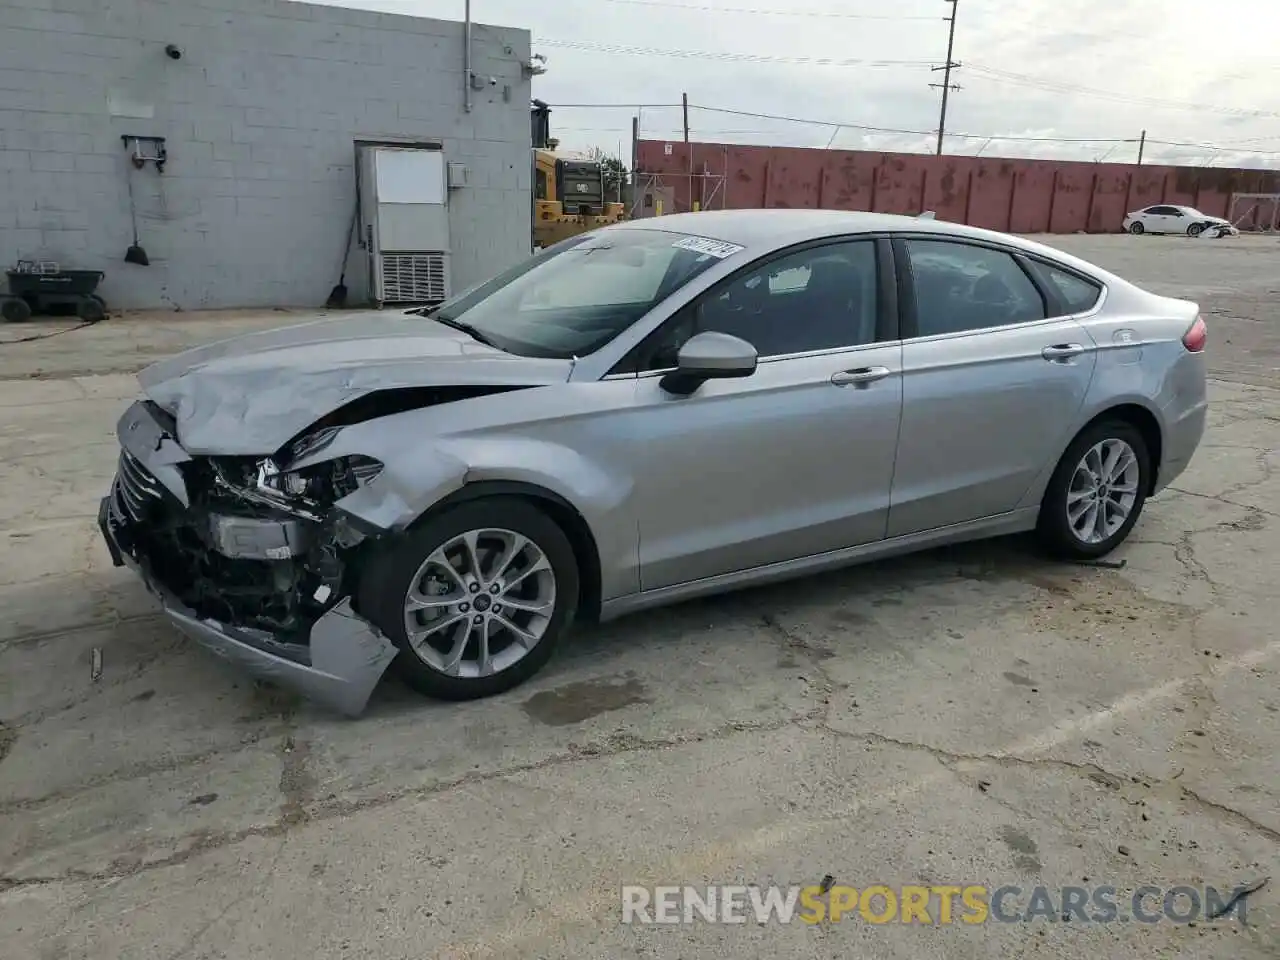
point(146, 149)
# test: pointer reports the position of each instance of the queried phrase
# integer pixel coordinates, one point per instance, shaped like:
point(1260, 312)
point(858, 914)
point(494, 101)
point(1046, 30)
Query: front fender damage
point(395, 498)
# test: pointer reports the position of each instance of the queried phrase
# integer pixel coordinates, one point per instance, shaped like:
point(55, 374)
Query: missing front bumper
point(340, 667)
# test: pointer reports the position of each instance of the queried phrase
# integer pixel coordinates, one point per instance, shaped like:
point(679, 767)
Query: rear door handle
point(861, 375)
point(1062, 351)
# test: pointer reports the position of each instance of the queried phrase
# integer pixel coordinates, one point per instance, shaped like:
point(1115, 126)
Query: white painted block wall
point(260, 116)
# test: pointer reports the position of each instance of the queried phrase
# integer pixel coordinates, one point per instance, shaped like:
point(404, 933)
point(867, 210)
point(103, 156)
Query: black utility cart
point(34, 288)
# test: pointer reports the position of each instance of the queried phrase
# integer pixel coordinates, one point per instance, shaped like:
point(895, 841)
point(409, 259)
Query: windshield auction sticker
point(712, 248)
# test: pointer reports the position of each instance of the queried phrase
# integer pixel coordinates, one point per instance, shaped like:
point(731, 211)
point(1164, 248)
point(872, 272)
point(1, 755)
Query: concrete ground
point(973, 715)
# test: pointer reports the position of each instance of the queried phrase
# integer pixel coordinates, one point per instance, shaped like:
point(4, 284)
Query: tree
point(615, 171)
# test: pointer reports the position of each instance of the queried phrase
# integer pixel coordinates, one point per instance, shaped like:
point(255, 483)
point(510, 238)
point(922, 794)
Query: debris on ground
point(1240, 894)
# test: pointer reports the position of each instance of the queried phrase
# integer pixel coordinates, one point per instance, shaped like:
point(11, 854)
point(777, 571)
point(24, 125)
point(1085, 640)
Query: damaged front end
point(248, 557)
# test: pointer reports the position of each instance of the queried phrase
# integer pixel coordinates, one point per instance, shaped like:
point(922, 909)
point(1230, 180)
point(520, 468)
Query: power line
point(629, 50)
point(924, 133)
point(1054, 86)
point(817, 14)
point(990, 74)
point(613, 106)
point(817, 123)
point(837, 125)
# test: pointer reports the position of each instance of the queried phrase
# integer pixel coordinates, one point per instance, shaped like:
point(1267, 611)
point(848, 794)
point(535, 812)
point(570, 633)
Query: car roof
point(760, 228)
point(761, 231)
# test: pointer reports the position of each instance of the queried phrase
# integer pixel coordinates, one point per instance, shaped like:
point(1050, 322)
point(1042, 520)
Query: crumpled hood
point(251, 394)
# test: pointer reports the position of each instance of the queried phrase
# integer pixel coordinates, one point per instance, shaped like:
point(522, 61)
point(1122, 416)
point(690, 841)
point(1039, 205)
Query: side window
point(961, 287)
point(540, 185)
point(1078, 295)
point(821, 298)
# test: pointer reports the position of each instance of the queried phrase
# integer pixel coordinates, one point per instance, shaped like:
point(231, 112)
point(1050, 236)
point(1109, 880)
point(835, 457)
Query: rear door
point(794, 460)
point(993, 376)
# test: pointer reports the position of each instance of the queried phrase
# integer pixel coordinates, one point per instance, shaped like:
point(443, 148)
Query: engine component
point(257, 538)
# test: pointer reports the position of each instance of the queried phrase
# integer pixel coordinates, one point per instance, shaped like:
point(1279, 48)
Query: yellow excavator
point(568, 194)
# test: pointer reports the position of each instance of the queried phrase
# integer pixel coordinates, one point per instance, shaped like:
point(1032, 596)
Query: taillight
point(1195, 338)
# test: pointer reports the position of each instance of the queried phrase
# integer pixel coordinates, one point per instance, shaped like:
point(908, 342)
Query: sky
point(1203, 80)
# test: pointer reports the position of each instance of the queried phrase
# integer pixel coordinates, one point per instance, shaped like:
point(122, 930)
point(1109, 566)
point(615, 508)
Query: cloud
point(1027, 70)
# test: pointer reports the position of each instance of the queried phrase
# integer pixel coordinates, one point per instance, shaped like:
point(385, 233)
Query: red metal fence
point(1017, 196)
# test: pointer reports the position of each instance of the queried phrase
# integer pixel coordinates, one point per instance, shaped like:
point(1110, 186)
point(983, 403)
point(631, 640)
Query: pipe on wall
point(466, 59)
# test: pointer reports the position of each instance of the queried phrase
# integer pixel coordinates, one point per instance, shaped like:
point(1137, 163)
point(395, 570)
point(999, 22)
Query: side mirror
point(709, 356)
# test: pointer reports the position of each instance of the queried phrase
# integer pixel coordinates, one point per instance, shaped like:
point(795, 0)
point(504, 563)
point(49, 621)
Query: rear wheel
point(15, 309)
point(1136, 228)
point(476, 599)
point(1097, 492)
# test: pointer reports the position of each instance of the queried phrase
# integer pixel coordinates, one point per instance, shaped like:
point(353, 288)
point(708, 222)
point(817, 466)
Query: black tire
point(15, 309)
point(1137, 229)
point(90, 310)
point(1053, 527)
point(1195, 229)
point(386, 579)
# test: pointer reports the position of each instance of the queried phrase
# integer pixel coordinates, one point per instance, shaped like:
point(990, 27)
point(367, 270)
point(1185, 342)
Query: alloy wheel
point(1103, 491)
point(479, 603)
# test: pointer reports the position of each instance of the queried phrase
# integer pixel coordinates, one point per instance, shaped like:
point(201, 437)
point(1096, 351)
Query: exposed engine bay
point(258, 543)
point(241, 552)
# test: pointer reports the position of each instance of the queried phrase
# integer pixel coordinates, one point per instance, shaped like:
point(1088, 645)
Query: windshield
point(575, 297)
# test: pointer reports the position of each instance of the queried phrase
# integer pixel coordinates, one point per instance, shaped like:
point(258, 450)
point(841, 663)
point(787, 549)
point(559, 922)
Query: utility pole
point(635, 163)
point(1142, 146)
point(684, 103)
point(946, 84)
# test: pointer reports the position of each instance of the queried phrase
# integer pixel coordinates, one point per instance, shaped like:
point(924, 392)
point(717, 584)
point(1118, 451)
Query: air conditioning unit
point(415, 277)
point(405, 224)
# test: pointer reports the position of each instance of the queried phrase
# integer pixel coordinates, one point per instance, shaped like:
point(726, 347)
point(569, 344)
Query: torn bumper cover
point(336, 658)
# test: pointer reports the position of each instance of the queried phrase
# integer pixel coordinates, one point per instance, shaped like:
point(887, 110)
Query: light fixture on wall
point(173, 51)
point(535, 66)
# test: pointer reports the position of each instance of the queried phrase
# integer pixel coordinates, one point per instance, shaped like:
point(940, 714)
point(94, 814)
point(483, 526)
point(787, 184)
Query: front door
point(991, 387)
point(794, 460)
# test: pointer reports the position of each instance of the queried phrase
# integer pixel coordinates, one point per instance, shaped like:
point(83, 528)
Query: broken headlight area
point(257, 547)
point(323, 483)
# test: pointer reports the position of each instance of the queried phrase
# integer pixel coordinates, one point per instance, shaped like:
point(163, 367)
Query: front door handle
point(1060, 352)
point(861, 375)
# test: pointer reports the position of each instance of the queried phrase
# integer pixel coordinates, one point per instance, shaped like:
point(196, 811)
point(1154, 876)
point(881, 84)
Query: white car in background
point(1165, 218)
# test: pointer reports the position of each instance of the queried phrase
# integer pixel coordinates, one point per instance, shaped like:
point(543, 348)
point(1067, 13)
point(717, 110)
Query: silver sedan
point(657, 410)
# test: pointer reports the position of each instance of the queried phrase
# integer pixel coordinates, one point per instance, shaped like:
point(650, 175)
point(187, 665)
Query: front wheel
point(1195, 229)
point(1136, 228)
point(476, 599)
point(1097, 492)
point(91, 310)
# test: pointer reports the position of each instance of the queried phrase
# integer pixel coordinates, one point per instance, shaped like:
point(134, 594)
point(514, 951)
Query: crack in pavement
point(294, 785)
point(135, 771)
point(100, 687)
point(956, 762)
point(1230, 815)
point(61, 633)
point(254, 890)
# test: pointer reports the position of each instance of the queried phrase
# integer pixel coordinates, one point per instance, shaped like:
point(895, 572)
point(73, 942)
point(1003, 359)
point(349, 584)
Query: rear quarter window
point(1076, 294)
